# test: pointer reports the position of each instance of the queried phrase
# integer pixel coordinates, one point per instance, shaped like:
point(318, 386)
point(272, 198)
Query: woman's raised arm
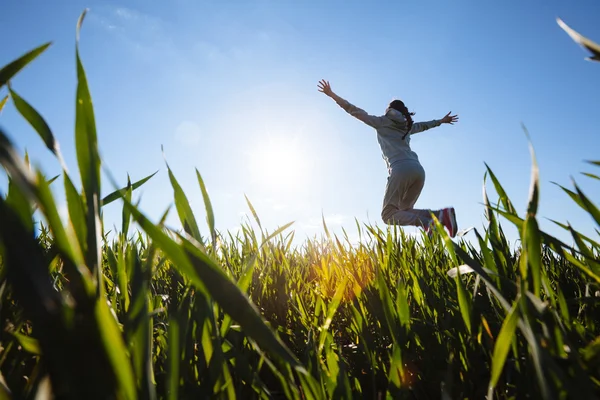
point(358, 113)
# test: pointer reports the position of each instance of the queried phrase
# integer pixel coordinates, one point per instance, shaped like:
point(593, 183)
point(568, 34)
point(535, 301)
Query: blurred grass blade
point(11, 69)
point(173, 358)
point(37, 190)
point(581, 40)
point(115, 347)
point(118, 193)
point(23, 260)
point(39, 124)
point(503, 342)
point(21, 204)
point(325, 227)
point(29, 344)
point(16, 169)
point(534, 190)
point(3, 103)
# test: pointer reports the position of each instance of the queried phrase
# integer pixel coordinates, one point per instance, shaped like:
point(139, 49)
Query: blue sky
point(229, 88)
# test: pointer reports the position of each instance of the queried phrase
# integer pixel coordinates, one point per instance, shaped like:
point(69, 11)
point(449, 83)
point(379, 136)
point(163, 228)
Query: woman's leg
point(404, 187)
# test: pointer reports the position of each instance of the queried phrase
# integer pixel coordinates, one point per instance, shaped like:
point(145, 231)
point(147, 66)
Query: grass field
point(153, 313)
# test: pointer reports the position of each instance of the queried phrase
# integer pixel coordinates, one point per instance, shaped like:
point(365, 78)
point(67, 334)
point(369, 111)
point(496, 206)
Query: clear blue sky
point(230, 88)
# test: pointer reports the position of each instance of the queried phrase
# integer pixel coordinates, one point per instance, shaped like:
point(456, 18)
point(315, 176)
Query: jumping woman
point(406, 175)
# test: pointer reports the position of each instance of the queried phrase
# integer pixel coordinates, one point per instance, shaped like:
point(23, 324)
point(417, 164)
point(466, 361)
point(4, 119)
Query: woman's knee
point(386, 215)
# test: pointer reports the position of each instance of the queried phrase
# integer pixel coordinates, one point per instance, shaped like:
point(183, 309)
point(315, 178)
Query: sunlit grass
point(156, 313)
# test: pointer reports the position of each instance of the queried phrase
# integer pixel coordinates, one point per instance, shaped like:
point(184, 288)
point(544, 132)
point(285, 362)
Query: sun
point(278, 162)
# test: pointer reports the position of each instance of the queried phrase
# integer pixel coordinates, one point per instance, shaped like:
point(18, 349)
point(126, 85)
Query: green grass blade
point(126, 215)
point(10, 70)
point(210, 216)
point(587, 253)
point(464, 302)
point(38, 123)
point(254, 214)
point(184, 210)
point(572, 195)
point(388, 306)
point(533, 251)
point(331, 310)
point(402, 307)
point(121, 279)
point(484, 275)
point(593, 176)
point(88, 159)
point(588, 205)
point(76, 207)
point(53, 179)
point(573, 260)
point(503, 342)
point(504, 199)
point(118, 193)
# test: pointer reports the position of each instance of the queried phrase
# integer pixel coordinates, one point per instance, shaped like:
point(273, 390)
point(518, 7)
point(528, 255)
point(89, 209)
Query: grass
point(156, 313)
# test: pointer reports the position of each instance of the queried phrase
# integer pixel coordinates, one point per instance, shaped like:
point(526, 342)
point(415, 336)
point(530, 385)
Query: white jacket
point(390, 128)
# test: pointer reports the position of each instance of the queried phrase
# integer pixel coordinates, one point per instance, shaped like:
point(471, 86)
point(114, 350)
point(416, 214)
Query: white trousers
point(403, 188)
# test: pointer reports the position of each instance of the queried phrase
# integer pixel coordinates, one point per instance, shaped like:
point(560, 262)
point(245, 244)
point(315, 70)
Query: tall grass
point(156, 313)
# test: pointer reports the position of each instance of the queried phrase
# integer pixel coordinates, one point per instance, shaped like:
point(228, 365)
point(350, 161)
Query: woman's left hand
point(450, 119)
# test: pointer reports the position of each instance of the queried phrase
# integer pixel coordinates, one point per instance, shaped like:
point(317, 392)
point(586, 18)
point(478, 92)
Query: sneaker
point(448, 219)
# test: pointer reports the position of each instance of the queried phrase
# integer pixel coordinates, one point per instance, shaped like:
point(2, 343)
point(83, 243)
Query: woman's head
point(398, 105)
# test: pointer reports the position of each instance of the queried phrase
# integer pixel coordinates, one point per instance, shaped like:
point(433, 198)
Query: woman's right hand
point(325, 87)
point(449, 119)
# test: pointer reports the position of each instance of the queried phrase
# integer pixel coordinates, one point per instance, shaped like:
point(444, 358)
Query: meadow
point(149, 312)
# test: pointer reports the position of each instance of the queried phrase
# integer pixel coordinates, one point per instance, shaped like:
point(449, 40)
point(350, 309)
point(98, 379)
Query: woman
point(406, 175)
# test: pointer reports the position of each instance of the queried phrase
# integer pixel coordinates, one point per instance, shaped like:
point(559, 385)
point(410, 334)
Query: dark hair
point(398, 105)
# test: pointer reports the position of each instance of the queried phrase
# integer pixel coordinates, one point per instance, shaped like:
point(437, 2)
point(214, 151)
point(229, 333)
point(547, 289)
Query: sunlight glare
point(279, 163)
